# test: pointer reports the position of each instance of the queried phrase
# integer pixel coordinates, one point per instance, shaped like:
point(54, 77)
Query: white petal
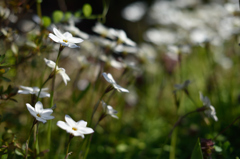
point(58, 33)
point(75, 40)
point(31, 110)
point(120, 89)
point(81, 123)
point(108, 77)
point(50, 63)
point(24, 92)
point(38, 107)
point(75, 133)
point(41, 119)
point(85, 130)
point(54, 38)
point(70, 121)
point(67, 35)
point(71, 45)
point(46, 112)
point(44, 94)
point(27, 88)
point(63, 125)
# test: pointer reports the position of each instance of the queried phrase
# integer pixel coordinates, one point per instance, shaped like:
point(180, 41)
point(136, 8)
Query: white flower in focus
point(39, 113)
point(109, 110)
point(75, 128)
point(61, 71)
point(103, 31)
point(65, 39)
point(34, 90)
point(211, 110)
point(108, 77)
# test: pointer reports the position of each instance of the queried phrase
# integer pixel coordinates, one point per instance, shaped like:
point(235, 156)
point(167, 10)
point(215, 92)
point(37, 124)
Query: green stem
point(226, 128)
point(42, 87)
point(51, 97)
point(70, 138)
point(173, 145)
point(27, 142)
point(39, 10)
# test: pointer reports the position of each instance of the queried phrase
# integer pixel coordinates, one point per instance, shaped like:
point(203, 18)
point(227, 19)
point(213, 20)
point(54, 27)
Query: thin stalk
point(27, 142)
point(51, 97)
point(226, 128)
point(70, 138)
point(42, 87)
point(39, 10)
point(173, 145)
point(179, 121)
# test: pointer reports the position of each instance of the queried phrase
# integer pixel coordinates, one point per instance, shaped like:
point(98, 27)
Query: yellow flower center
point(75, 129)
point(65, 41)
point(38, 115)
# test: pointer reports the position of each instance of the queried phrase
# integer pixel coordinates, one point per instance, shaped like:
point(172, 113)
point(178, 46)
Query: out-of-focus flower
point(108, 77)
point(159, 37)
point(210, 109)
point(111, 61)
point(39, 113)
point(75, 31)
point(4, 12)
point(104, 31)
point(109, 110)
point(65, 39)
point(75, 128)
point(125, 49)
point(122, 38)
point(34, 90)
point(61, 71)
point(182, 86)
point(135, 11)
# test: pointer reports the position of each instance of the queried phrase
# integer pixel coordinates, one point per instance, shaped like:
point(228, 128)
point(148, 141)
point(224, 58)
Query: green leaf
point(67, 16)
point(87, 10)
point(57, 16)
point(5, 79)
point(197, 151)
point(2, 57)
point(46, 21)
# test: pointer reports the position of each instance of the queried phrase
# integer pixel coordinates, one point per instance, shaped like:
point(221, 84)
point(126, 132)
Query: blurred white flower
point(162, 36)
point(111, 61)
point(103, 31)
point(74, 30)
point(125, 49)
point(122, 38)
point(109, 110)
point(61, 71)
point(108, 77)
point(135, 11)
point(211, 110)
point(39, 113)
point(65, 39)
point(75, 128)
point(4, 12)
point(34, 90)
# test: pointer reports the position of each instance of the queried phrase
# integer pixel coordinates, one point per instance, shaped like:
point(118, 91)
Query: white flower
point(75, 128)
point(61, 71)
point(65, 39)
point(108, 77)
point(109, 110)
point(34, 90)
point(211, 110)
point(122, 38)
point(111, 61)
point(104, 31)
point(71, 28)
point(39, 113)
